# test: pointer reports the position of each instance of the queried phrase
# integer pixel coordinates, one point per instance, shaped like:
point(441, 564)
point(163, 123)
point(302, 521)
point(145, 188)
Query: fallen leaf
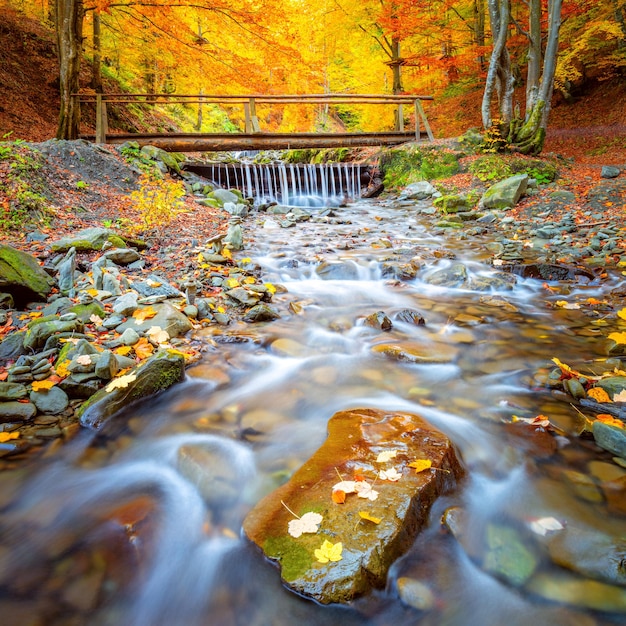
point(370, 518)
point(123, 350)
point(539, 420)
point(226, 253)
point(4, 437)
point(61, 369)
point(329, 552)
point(93, 292)
point(599, 395)
point(231, 283)
point(566, 369)
point(391, 474)
point(308, 523)
point(158, 335)
point(386, 455)
point(610, 420)
point(347, 486)
point(95, 319)
point(249, 280)
point(338, 496)
point(622, 313)
point(364, 490)
point(153, 283)
point(143, 348)
point(84, 359)
point(498, 262)
point(121, 382)
point(4, 375)
point(544, 525)
point(270, 288)
point(618, 337)
point(564, 304)
point(141, 315)
point(43, 385)
point(420, 465)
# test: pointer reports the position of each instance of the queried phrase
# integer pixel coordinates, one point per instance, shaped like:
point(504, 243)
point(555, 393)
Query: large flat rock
point(355, 439)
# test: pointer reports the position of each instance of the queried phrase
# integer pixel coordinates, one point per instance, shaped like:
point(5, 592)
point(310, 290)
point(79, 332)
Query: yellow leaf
point(143, 348)
point(93, 292)
point(329, 552)
point(270, 288)
point(369, 518)
point(618, 337)
point(123, 350)
point(141, 315)
point(566, 369)
point(221, 309)
point(231, 283)
point(245, 261)
point(420, 465)
point(61, 369)
point(567, 305)
point(35, 314)
point(599, 395)
point(622, 313)
point(153, 283)
point(121, 382)
point(4, 437)
point(250, 280)
point(43, 385)
point(610, 420)
point(226, 253)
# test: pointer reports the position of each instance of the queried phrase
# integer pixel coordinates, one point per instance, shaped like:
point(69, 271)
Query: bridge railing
point(250, 102)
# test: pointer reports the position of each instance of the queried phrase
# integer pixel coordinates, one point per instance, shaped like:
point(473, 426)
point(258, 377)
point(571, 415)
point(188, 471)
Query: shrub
point(158, 202)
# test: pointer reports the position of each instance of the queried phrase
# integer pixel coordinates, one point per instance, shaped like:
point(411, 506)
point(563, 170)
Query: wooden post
point(246, 111)
point(254, 120)
point(417, 119)
point(101, 120)
point(420, 110)
point(400, 118)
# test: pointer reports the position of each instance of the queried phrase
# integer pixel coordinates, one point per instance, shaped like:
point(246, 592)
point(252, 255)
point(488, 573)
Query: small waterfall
point(289, 183)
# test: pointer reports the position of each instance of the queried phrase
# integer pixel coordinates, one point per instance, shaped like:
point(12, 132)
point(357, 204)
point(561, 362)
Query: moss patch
point(294, 558)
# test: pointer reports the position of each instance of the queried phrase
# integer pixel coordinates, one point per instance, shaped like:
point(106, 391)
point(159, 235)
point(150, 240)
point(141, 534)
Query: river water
point(140, 524)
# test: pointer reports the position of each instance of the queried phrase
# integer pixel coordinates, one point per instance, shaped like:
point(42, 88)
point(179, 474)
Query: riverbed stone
point(12, 391)
point(51, 401)
point(260, 313)
point(610, 171)
point(168, 318)
point(421, 190)
point(453, 276)
point(84, 240)
point(355, 438)
point(67, 269)
point(15, 411)
point(122, 256)
point(22, 276)
point(611, 438)
point(612, 384)
point(506, 193)
point(40, 330)
point(414, 352)
point(156, 373)
point(337, 270)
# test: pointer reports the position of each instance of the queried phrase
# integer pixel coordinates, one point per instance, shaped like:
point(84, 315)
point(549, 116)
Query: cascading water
point(289, 184)
point(140, 525)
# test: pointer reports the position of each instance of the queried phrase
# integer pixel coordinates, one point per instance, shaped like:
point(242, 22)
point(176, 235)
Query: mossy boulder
point(22, 277)
point(355, 439)
point(88, 240)
point(506, 193)
point(39, 331)
point(155, 374)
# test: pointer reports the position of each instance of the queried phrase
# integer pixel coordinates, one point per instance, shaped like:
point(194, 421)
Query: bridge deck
point(194, 142)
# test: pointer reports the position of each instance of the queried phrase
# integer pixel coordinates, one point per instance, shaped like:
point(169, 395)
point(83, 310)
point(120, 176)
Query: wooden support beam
point(102, 122)
point(420, 109)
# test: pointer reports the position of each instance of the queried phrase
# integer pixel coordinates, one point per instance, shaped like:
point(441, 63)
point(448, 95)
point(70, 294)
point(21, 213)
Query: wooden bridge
point(254, 138)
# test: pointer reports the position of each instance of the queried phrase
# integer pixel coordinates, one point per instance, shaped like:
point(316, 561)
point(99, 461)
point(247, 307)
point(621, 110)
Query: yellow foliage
point(158, 202)
point(599, 395)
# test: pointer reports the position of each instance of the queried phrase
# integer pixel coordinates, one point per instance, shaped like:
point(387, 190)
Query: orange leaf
point(43, 385)
point(141, 315)
point(4, 437)
point(610, 420)
point(143, 348)
point(4, 375)
point(339, 497)
point(599, 395)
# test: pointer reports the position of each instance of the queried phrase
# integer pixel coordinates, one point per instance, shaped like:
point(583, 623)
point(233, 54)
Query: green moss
point(85, 311)
point(402, 166)
point(117, 241)
point(294, 559)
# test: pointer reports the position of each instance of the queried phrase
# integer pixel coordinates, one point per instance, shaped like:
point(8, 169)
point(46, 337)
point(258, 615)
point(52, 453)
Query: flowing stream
point(140, 525)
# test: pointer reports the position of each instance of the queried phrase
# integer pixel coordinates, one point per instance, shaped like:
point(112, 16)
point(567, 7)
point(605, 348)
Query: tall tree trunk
point(534, 54)
point(96, 60)
point(69, 30)
point(395, 66)
point(530, 136)
point(499, 75)
point(478, 9)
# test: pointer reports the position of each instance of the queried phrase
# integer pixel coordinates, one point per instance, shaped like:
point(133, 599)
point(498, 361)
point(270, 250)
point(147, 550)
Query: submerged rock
point(395, 511)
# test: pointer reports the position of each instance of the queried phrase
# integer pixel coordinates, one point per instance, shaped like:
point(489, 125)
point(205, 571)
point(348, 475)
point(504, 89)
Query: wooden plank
point(259, 141)
point(420, 110)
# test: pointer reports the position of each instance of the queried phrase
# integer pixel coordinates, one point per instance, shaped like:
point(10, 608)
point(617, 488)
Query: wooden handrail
point(250, 101)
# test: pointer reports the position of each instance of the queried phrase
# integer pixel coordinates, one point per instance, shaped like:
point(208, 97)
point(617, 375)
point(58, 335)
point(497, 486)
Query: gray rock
point(418, 191)
point(126, 305)
point(12, 391)
point(260, 313)
point(53, 401)
point(39, 331)
point(506, 193)
point(106, 365)
point(12, 346)
point(611, 438)
point(122, 256)
point(17, 411)
point(155, 285)
point(223, 196)
point(111, 283)
point(84, 240)
point(453, 276)
point(129, 337)
point(66, 268)
point(608, 171)
point(337, 270)
point(22, 277)
point(243, 296)
point(378, 320)
point(168, 318)
point(158, 372)
point(234, 235)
